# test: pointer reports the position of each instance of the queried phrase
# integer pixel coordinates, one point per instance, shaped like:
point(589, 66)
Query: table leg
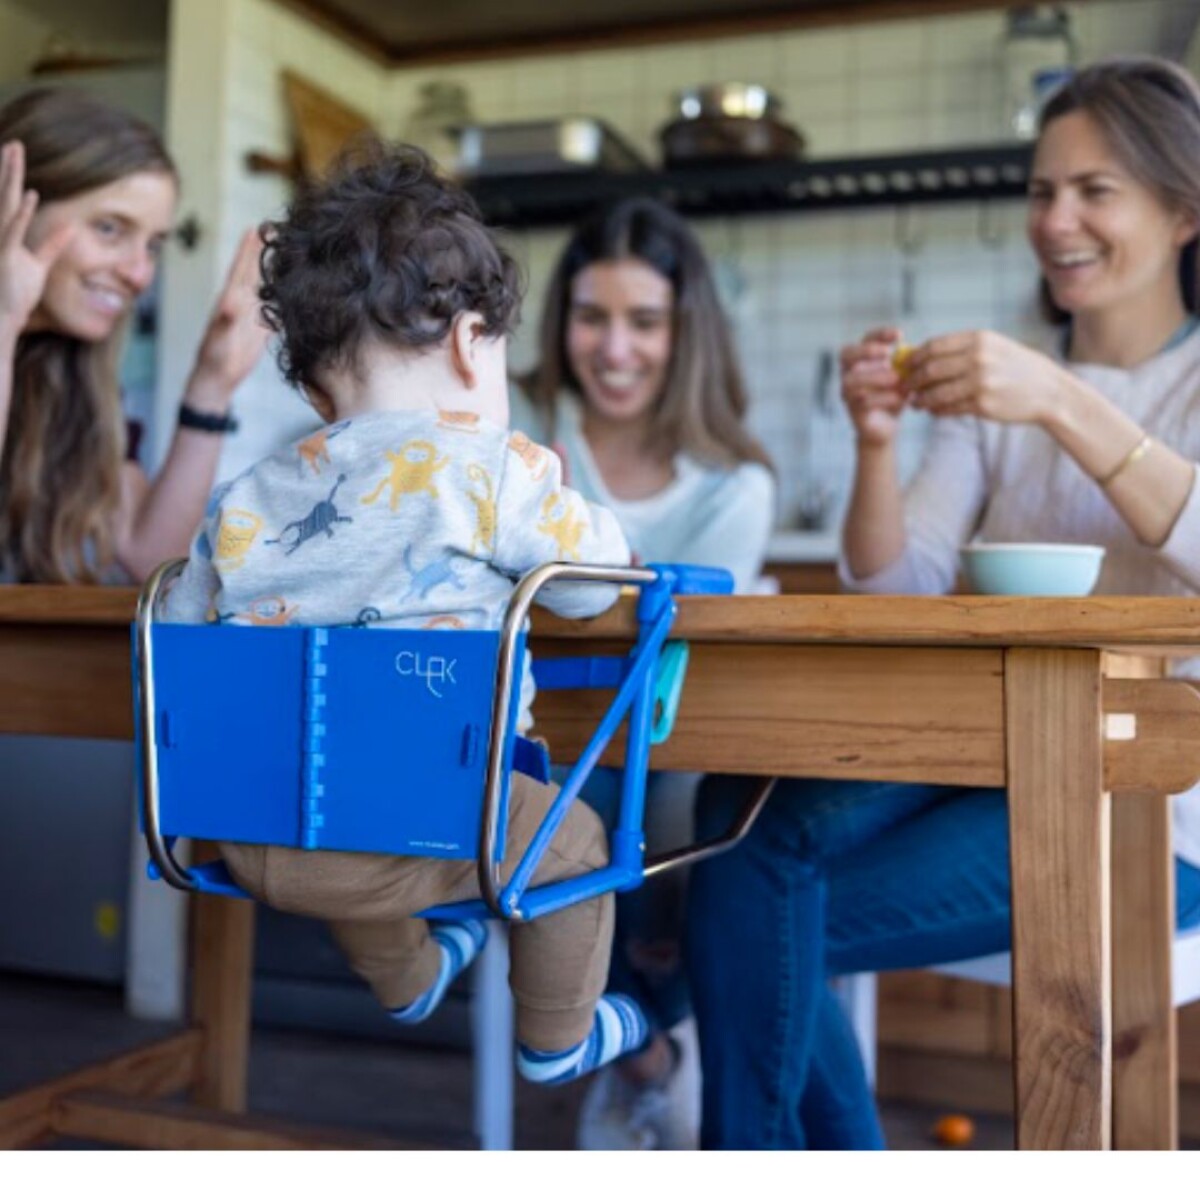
point(1059, 823)
point(222, 961)
point(1145, 1057)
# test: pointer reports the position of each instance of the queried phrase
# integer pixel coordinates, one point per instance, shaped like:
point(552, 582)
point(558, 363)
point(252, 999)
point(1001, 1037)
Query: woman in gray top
point(1098, 444)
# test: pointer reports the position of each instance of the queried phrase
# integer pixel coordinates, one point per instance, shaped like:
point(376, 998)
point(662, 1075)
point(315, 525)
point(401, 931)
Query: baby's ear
point(465, 336)
point(1189, 227)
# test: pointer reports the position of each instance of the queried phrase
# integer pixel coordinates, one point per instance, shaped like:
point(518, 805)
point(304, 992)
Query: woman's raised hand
point(872, 388)
point(236, 335)
point(982, 374)
point(23, 269)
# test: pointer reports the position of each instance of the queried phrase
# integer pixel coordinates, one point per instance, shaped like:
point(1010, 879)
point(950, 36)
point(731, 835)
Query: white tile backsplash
point(889, 132)
point(818, 54)
point(892, 92)
point(885, 46)
point(603, 73)
point(966, 38)
point(689, 64)
point(745, 60)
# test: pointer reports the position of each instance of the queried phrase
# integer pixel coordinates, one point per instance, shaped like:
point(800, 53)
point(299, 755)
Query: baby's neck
point(385, 381)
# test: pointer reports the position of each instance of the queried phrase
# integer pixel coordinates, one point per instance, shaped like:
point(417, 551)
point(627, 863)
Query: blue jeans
point(834, 879)
point(647, 959)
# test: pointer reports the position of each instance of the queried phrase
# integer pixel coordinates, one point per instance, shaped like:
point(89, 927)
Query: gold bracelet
point(1135, 455)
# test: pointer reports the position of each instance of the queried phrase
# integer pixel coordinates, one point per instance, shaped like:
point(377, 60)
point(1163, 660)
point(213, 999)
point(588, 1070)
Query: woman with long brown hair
point(1097, 443)
point(639, 390)
point(87, 199)
point(638, 387)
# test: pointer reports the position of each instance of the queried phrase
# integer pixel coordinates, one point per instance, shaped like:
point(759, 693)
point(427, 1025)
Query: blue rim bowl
point(1031, 568)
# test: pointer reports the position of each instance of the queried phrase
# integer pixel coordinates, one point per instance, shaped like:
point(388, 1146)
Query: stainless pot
point(750, 100)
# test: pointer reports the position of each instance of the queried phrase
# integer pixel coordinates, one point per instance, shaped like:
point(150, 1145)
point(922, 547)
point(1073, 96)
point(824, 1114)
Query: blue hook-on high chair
point(399, 741)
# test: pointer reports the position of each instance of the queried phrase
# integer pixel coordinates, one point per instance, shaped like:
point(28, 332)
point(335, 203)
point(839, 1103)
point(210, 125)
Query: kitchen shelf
point(970, 173)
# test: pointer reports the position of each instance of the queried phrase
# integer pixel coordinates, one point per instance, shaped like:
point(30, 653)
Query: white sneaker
point(618, 1114)
point(682, 1129)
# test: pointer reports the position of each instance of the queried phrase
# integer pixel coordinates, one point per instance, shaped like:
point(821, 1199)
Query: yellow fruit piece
point(954, 1129)
point(900, 357)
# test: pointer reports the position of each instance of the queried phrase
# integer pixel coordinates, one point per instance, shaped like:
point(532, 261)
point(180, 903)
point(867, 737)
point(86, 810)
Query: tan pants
point(559, 962)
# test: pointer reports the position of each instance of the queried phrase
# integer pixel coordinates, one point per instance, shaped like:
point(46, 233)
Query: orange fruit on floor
point(954, 1129)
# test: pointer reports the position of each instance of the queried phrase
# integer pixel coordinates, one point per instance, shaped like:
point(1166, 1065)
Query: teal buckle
point(668, 687)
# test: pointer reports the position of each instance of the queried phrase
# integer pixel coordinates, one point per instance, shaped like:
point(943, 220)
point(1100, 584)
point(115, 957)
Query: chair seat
point(858, 992)
point(1185, 968)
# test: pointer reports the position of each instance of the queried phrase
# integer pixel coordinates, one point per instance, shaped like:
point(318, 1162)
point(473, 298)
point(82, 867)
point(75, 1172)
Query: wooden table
point(1058, 700)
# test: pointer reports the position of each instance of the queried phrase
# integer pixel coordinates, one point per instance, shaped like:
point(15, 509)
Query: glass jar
point(1037, 55)
point(443, 107)
point(1044, 84)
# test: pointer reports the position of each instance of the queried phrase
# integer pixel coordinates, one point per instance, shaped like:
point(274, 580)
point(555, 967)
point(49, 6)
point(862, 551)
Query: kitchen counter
point(802, 546)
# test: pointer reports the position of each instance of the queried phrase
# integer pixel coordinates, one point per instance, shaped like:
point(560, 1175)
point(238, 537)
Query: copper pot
point(714, 139)
point(728, 121)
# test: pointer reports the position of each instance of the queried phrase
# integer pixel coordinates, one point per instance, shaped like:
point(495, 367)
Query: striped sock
point(620, 1026)
point(460, 943)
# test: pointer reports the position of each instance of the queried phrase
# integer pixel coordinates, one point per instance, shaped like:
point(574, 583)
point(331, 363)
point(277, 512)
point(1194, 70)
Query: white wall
point(226, 99)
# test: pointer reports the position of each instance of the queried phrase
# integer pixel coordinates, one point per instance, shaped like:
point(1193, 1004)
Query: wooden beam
point(1153, 735)
point(156, 1069)
point(167, 1125)
point(69, 682)
point(1062, 963)
point(1145, 1041)
point(737, 21)
point(67, 604)
point(800, 710)
point(1164, 624)
point(222, 965)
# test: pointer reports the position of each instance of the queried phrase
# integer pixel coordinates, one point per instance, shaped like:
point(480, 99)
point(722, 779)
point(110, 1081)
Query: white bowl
point(1032, 568)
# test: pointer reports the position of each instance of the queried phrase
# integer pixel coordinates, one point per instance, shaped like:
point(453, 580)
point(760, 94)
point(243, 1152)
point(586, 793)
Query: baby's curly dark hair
point(384, 249)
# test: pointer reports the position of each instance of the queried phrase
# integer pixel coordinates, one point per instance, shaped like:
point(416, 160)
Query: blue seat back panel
point(230, 705)
point(405, 741)
point(341, 739)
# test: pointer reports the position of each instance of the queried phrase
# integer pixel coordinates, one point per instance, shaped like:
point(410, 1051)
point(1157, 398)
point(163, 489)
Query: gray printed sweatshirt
point(416, 520)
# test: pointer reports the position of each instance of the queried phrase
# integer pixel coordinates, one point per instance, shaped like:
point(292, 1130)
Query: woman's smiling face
point(620, 337)
point(111, 259)
point(1101, 236)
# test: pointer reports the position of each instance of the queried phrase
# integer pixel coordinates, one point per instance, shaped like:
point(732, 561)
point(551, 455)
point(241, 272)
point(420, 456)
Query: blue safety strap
point(531, 758)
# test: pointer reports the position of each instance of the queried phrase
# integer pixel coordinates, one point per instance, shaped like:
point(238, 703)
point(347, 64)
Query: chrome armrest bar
point(160, 852)
point(515, 616)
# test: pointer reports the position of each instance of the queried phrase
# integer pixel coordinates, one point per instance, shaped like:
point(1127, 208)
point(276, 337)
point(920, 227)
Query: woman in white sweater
point(639, 390)
point(1096, 444)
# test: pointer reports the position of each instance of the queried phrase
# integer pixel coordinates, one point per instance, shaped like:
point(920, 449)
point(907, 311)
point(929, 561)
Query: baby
point(413, 507)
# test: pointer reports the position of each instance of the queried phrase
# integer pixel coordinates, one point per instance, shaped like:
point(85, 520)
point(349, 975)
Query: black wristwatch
point(193, 418)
